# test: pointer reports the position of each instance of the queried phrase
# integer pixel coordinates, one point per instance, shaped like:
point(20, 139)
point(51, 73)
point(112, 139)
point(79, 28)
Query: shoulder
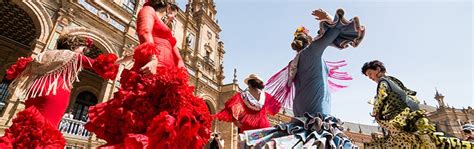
point(383, 83)
point(147, 10)
point(396, 81)
point(237, 95)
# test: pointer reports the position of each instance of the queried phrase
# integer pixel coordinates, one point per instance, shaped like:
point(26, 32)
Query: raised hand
point(321, 15)
point(150, 67)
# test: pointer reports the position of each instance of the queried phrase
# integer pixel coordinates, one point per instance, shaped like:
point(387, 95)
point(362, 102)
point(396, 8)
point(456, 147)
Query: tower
point(440, 99)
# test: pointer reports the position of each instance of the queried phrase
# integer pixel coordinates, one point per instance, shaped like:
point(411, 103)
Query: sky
point(427, 44)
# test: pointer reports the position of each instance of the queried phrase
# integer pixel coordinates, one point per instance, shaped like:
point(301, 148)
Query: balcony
point(74, 129)
point(208, 60)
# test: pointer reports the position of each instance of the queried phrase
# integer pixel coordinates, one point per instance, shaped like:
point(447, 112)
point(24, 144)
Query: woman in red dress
point(154, 106)
point(45, 82)
point(249, 108)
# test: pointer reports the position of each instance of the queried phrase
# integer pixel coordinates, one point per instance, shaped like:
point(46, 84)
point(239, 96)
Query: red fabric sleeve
point(271, 108)
point(17, 68)
point(87, 62)
point(231, 109)
point(145, 22)
point(105, 66)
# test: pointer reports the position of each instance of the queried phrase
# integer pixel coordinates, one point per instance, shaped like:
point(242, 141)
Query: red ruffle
point(31, 130)
point(226, 114)
point(105, 66)
point(136, 141)
point(161, 131)
point(248, 118)
point(160, 106)
point(17, 68)
point(143, 52)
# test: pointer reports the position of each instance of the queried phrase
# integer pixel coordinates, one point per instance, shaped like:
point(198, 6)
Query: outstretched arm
point(18, 68)
point(326, 36)
point(104, 65)
point(87, 62)
point(272, 106)
point(321, 15)
point(233, 109)
point(339, 32)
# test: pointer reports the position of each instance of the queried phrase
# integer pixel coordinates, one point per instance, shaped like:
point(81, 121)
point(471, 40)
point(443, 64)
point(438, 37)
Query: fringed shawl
point(41, 77)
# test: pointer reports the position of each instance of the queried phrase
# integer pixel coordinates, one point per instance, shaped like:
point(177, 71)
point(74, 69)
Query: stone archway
point(40, 17)
point(79, 89)
point(84, 100)
point(18, 33)
point(25, 28)
point(88, 77)
point(212, 107)
point(211, 104)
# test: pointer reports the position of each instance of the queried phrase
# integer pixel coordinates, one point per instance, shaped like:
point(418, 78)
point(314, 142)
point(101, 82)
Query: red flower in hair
point(89, 42)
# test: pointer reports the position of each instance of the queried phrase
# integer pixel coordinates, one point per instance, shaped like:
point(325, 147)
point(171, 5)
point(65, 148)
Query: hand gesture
point(150, 67)
point(320, 14)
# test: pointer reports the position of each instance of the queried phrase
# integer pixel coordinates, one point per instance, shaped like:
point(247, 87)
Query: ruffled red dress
point(155, 110)
point(249, 114)
point(46, 87)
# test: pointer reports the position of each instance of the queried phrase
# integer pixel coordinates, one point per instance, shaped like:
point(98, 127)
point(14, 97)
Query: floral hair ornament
point(89, 42)
point(301, 29)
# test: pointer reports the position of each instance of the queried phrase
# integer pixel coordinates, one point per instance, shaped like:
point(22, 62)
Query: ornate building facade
point(29, 27)
point(449, 119)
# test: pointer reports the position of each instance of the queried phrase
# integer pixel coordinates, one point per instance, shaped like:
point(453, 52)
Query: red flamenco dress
point(45, 82)
point(249, 112)
point(153, 110)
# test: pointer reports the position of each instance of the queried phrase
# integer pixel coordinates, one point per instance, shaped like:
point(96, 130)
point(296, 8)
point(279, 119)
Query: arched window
point(130, 5)
point(83, 101)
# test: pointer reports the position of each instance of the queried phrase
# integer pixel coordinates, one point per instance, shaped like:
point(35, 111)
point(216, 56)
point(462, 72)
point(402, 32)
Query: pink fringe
point(337, 75)
point(279, 88)
point(283, 91)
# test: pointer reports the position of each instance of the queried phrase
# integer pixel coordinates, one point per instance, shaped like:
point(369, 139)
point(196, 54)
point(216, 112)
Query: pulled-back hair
point(70, 42)
point(161, 5)
point(300, 41)
point(373, 65)
point(255, 84)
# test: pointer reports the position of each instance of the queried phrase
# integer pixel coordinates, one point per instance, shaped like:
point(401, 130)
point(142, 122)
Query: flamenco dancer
point(45, 83)
point(304, 85)
point(396, 110)
point(248, 109)
point(154, 106)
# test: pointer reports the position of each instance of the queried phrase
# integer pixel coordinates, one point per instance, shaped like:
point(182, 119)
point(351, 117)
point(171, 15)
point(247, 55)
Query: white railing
point(74, 128)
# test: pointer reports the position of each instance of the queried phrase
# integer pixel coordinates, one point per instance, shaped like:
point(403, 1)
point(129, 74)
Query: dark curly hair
point(70, 42)
point(161, 5)
point(300, 41)
point(373, 65)
point(256, 84)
